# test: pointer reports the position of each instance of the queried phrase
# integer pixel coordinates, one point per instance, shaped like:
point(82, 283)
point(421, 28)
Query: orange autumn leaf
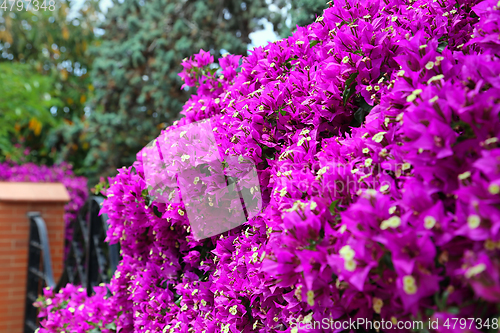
point(35, 126)
point(32, 123)
point(38, 128)
point(6, 36)
point(65, 32)
point(64, 74)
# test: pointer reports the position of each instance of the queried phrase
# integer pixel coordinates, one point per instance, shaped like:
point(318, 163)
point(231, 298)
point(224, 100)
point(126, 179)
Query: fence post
point(37, 279)
point(16, 200)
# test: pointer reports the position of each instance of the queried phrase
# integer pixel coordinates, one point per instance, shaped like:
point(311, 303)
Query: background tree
point(52, 46)
point(297, 13)
point(134, 89)
point(136, 67)
point(25, 99)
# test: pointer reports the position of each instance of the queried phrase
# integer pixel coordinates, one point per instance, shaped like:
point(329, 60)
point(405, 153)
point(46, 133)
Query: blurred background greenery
point(92, 86)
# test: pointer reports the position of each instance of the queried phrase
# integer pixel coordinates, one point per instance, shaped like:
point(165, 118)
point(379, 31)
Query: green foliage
point(136, 68)
point(361, 113)
point(298, 12)
point(24, 108)
point(350, 88)
point(134, 90)
point(53, 47)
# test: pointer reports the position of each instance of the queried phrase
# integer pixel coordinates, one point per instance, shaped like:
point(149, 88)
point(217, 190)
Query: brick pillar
point(16, 199)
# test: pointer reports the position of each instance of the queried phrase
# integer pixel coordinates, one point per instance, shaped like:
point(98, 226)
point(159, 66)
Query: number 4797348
point(19, 5)
point(469, 323)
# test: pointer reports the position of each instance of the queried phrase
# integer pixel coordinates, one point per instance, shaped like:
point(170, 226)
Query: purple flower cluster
point(72, 308)
point(62, 173)
point(394, 216)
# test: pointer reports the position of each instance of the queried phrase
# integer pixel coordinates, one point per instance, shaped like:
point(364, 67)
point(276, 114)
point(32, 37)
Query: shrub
point(375, 135)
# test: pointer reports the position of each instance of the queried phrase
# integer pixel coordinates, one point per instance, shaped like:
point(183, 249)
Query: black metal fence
point(89, 262)
point(102, 258)
point(39, 268)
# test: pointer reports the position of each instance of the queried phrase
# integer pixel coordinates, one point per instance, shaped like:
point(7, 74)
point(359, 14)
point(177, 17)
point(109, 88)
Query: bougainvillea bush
point(375, 132)
point(62, 173)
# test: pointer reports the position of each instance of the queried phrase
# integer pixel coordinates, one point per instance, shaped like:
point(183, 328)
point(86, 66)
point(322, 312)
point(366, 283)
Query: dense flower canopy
point(62, 173)
point(375, 132)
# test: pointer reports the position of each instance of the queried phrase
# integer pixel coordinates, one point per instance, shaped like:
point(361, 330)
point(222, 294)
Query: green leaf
point(312, 245)
point(438, 302)
point(156, 211)
point(178, 301)
point(111, 326)
point(288, 62)
point(358, 51)
point(333, 206)
point(361, 113)
point(387, 260)
point(350, 88)
point(351, 79)
point(442, 44)
point(343, 23)
point(313, 42)
point(464, 129)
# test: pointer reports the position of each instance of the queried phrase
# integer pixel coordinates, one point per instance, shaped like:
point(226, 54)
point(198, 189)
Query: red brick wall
point(14, 234)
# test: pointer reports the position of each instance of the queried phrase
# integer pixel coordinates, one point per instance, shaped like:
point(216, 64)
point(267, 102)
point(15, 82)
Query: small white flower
point(392, 222)
point(429, 222)
point(473, 221)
